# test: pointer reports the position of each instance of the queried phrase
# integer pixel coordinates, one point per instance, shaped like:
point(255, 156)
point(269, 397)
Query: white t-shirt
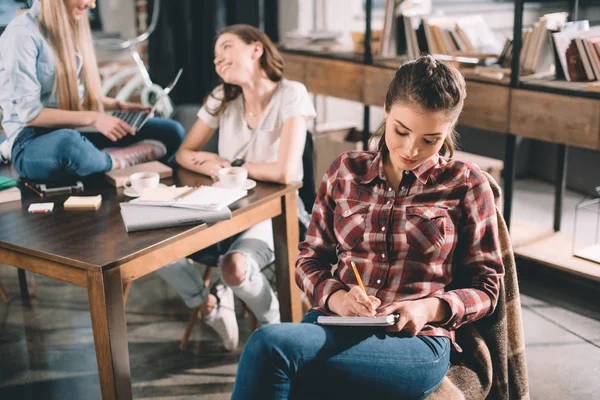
point(261, 145)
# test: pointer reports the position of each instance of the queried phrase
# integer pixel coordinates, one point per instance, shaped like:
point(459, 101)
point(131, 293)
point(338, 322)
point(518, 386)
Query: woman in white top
point(262, 127)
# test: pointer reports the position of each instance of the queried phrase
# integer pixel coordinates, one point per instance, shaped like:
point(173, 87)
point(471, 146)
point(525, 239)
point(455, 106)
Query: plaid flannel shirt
point(436, 236)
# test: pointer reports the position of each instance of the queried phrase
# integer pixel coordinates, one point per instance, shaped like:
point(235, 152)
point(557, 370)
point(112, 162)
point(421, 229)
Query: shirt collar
point(422, 172)
point(375, 169)
point(35, 9)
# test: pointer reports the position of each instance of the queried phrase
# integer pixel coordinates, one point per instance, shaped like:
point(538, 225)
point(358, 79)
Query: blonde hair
point(66, 37)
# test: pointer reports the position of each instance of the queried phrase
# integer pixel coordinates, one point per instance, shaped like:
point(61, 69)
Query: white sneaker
point(222, 318)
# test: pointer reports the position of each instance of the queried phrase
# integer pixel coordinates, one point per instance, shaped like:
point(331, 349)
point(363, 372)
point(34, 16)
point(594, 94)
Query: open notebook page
point(163, 193)
point(208, 197)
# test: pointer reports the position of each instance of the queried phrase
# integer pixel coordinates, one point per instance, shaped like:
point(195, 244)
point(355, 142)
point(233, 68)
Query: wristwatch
point(238, 162)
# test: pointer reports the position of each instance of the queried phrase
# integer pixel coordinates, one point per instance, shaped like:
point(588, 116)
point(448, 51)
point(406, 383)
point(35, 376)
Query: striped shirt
point(434, 236)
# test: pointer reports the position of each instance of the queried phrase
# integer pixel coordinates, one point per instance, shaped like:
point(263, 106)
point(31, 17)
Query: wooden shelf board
point(553, 249)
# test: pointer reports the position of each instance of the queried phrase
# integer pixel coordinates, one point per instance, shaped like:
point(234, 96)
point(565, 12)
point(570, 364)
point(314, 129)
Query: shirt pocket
point(426, 227)
point(46, 73)
point(349, 222)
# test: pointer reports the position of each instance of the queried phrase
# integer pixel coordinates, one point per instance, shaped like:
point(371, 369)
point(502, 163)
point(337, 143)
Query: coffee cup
point(233, 177)
point(142, 180)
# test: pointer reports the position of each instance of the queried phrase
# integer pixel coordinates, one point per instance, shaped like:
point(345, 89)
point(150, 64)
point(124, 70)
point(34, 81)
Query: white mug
point(233, 177)
point(143, 180)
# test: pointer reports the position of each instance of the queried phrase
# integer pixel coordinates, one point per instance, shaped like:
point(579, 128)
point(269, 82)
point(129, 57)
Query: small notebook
point(118, 177)
point(388, 320)
point(83, 202)
point(205, 198)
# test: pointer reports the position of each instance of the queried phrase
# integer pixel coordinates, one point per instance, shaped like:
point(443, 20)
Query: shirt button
point(406, 172)
point(383, 228)
point(382, 255)
point(378, 281)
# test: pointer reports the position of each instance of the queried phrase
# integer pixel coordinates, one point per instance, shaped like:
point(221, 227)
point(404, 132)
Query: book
point(6, 183)
point(118, 177)
point(387, 320)
point(141, 218)
point(479, 34)
point(10, 194)
point(206, 198)
point(83, 202)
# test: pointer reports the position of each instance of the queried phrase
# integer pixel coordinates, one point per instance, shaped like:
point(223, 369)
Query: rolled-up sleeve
point(319, 249)
point(19, 58)
point(481, 269)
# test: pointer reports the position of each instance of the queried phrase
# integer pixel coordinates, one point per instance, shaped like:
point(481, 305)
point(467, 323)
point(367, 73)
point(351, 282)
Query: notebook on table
point(205, 198)
point(142, 218)
point(118, 177)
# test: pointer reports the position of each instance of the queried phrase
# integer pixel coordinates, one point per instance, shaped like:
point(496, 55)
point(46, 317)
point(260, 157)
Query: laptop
point(137, 119)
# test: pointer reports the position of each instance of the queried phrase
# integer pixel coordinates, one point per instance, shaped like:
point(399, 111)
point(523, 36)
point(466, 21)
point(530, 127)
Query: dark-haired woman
point(414, 223)
point(262, 121)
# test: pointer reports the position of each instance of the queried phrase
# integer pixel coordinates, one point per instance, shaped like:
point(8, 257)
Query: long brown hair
point(432, 86)
point(66, 37)
point(271, 62)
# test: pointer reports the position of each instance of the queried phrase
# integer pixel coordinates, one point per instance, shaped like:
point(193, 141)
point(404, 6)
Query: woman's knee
point(269, 337)
point(234, 268)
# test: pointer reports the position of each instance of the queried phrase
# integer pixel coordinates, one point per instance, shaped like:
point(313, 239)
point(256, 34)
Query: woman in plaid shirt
point(422, 232)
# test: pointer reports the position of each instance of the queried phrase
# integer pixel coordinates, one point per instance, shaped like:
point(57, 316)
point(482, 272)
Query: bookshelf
point(558, 112)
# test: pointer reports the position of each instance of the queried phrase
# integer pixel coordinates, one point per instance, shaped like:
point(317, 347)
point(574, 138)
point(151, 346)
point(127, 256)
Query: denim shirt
point(27, 74)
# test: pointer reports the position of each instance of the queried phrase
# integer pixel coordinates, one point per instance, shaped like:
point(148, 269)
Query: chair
point(307, 194)
point(3, 294)
point(493, 364)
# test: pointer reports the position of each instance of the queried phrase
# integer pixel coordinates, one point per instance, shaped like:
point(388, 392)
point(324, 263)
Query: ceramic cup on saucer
point(233, 177)
point(142, 180)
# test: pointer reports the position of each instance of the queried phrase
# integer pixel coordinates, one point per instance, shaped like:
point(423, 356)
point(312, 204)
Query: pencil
point(358, 277)
point(32, 188)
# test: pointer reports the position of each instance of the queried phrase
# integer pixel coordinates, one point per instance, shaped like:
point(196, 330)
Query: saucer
point(249, 184)
point(129, 192)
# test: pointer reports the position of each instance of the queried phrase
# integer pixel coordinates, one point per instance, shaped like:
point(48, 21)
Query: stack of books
point(466, 36)
point(9, 190)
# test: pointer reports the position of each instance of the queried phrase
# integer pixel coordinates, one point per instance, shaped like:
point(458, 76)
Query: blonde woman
point(50, 86)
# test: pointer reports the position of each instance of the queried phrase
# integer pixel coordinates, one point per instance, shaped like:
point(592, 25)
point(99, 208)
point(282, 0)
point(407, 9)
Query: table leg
point(27, 284)
point(285, 234)
point(105, 294)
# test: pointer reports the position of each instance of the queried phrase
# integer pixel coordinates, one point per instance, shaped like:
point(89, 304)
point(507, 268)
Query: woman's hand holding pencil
point(355, 302)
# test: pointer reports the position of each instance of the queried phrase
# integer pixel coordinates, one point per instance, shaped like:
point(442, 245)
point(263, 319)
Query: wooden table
point(93, 250)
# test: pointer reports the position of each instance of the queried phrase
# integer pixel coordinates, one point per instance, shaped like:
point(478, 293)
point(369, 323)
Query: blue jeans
point(310, 361)
point(43, 154)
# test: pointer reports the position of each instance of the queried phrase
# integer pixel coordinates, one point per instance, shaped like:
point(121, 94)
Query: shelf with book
point(523, 106)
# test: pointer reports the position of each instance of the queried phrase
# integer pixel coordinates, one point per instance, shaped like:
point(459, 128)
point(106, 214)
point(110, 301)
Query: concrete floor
point(47, 350)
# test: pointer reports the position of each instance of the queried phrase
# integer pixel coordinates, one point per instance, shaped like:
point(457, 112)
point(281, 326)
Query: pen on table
point(34, 189)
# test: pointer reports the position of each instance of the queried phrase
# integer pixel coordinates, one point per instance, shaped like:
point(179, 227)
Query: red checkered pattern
point(434, 236)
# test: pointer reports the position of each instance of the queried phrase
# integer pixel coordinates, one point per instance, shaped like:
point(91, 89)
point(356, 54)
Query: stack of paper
point(206, 198)
point(83, 202)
